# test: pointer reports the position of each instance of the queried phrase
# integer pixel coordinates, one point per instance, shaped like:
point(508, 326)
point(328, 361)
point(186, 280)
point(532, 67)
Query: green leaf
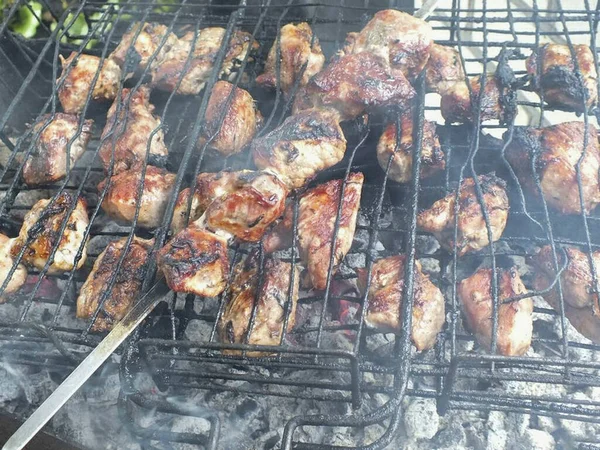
point(26, 22)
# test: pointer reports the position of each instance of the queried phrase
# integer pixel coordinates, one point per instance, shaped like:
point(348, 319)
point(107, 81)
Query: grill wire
point(42, 333)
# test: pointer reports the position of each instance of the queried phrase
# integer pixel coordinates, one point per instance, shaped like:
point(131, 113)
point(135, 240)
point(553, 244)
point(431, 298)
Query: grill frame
point(404, 365)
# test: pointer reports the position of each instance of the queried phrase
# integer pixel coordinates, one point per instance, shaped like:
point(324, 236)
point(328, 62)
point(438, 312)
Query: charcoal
point(421, 419)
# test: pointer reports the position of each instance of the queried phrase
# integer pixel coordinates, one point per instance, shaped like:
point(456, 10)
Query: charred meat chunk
point(268, 290)
point(127, 282)
point(385, 296)
point(52, 156)
point(553, 69)
point(131, 131)
point(300, 57)
point(7, 261)
point(472, 233)
point(514, 323)
point(40, 234)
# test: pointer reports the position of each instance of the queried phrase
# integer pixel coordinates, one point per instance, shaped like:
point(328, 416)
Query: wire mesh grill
point(325, 361)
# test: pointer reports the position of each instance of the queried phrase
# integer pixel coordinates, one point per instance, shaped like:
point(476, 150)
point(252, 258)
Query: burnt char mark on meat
point(61, 204)
point(185, 259)
point(565, 79)
point(507, 83)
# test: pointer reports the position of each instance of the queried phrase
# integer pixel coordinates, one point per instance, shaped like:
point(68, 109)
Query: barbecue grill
point(332, 370)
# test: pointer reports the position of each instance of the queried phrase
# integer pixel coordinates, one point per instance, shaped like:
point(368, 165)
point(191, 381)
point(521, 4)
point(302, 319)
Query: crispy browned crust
point(515, 323)
point(127, 284)
point(316, 224)
point(195, 70)
point(558, 79)
point(42, 224)
point(443, 68)
point(122, 195)
point(48, 161)
point(354, 84)
point(385, 298)
point(195, 261)
point(270, 294)
point(577, 282)
point(147, 42)
point(257, 200)
point(132, 131)
point(298, 48)
point(231, 133)
point(472, 231)
point(303, 145)
point(557, 150)
point(456, 105)
point(403, 40)
point(77, 83)
point(432, 156)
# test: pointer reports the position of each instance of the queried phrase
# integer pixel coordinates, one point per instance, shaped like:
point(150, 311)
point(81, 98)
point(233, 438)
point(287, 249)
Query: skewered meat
point(444, 69)
point(209, 186)
point(48, 161)
point(300, 57)
point(472, 233)
point(554, 73)
point(43, 223)
point(140, 48)
point(302, 146)
point(195, 261)
point(127, 285)
point(385, 297)
point(132, 130)
point(6, 263)
point(354, 84)
point(255, 202)
point(579, 294)
point(515, 323)
point(122, 195)
point(230, 123)
point(269, 293)
point(192, 60)
point(556, 151)
point(432, 157)
point(456, 105)
point(77, 81)
point(402, 40)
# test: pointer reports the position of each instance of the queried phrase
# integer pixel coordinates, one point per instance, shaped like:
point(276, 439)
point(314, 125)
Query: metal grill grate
point(314, 364)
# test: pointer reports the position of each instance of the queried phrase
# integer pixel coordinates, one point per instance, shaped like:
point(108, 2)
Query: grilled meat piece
point(385, 297)
point(256, 200)
point(230, 123)
point(302, 146)
point(579, 293)
point(122, 195)
point(554, 73)
point(300, 57)
point(556, 151)
point(77, 81)
point(515, 323)
point(43, 223)
point(317, 212)
point(432, 157)
point(48, 161)
point(353, 84)
point(141, 42)
point(269, 293)
point(444, 69)
point(208, 187)
point(132, 130)
point(6, 263)
point(456, 105)
point(127, 285)
point(195, 261)
point(576, 279)
point(472, 233)
point(400, 39)
point(192, 60)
